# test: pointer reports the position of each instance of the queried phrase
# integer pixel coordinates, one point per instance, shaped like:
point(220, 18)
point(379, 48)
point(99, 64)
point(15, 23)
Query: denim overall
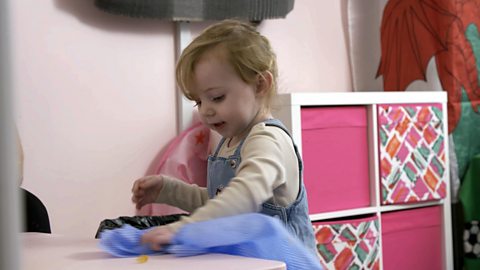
point(295, 216)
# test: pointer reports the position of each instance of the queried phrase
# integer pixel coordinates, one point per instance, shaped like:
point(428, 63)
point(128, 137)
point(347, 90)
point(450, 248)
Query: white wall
point(95, 95)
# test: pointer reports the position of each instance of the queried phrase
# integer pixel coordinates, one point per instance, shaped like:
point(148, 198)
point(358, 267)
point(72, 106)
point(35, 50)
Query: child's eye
point(197, 104)
point(218, 98)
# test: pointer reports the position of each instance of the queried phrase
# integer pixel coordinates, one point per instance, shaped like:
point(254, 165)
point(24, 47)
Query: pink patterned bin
point(412, 153)
point(335, 156)
point(348, 244)
point(412, 239)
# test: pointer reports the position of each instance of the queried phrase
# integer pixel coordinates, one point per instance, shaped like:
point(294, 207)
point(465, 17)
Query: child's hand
point(146, 189)
point(157, 237)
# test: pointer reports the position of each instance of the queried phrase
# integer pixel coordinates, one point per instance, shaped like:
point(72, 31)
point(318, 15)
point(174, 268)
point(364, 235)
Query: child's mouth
point(219, 125)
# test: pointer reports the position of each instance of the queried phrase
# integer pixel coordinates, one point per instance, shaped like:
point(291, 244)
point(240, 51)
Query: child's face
point(225, 102)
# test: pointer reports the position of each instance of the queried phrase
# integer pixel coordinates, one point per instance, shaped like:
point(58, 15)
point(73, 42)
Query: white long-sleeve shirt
point(268, 172)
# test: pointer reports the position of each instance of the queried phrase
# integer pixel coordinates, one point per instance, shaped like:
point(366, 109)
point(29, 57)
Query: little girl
point(230, 71)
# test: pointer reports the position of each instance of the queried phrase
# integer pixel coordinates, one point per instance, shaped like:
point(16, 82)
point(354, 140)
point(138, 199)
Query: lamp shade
point(199, 10)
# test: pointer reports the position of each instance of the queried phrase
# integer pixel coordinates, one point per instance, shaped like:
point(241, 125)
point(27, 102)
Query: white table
point(54, 252)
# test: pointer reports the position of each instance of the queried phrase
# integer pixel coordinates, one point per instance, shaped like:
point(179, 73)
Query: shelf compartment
point(411, 153)
point(412, 239)
point(348, 244)
point(335, 155)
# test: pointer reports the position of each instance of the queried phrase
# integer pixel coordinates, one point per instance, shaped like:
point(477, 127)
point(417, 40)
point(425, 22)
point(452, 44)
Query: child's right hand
point(146, 189)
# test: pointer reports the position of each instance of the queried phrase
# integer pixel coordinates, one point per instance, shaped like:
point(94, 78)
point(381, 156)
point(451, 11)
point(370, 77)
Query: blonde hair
point(245, 48)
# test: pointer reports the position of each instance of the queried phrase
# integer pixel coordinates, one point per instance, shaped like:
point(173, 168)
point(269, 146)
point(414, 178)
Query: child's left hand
point(157, 237)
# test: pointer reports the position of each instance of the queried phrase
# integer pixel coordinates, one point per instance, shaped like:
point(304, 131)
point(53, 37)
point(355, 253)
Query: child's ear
point(264, 83)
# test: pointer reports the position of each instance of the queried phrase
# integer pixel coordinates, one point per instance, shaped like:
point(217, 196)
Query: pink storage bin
point(335, 155)
point(348, 244)
point(411, 153)
point(412, 239)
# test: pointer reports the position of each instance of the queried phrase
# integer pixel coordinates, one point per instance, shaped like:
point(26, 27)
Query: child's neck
point(260, 117)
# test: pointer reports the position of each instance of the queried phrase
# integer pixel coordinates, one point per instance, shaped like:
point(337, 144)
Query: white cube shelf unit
point(376, 173)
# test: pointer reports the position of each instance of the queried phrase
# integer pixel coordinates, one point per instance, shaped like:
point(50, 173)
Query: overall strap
point(279, 124)
point(219, 145)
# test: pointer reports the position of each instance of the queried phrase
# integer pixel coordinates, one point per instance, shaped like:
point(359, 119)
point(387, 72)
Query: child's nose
point(206, 110)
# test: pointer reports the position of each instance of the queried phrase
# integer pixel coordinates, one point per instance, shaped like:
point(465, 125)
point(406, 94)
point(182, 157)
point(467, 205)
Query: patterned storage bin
point(412, 153)
point(348, 244)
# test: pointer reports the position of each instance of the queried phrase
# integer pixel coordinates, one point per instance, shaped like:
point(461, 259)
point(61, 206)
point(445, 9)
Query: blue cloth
point(124, 242)
point(251, 235)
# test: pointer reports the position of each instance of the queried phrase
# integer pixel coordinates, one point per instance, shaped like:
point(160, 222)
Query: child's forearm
point(185, 196)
